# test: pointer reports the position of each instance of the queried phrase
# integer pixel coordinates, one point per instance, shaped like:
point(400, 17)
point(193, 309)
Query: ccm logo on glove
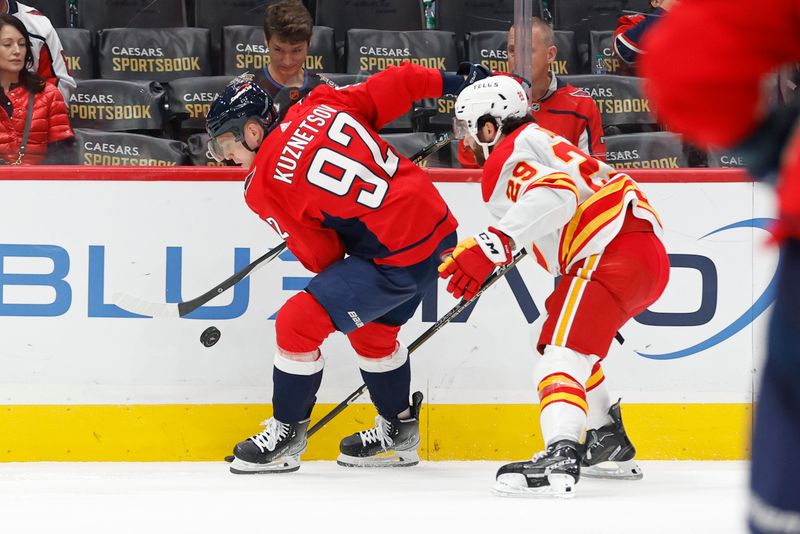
point(473, 260)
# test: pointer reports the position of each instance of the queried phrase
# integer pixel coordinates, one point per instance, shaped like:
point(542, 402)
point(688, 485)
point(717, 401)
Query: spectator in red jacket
point(631, 29)
point(48, 54)
point(556, 105)
point(50, 136)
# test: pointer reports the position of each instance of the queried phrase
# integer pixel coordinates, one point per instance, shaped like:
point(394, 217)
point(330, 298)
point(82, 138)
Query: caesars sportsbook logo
point(134, 59)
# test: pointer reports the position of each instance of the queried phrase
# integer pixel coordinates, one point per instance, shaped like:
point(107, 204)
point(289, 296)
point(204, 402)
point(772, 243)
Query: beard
point(477, 151)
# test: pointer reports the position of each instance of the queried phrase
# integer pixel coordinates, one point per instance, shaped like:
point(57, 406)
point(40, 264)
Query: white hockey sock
point(598, 399)
point(560, 377)
point(560, 420)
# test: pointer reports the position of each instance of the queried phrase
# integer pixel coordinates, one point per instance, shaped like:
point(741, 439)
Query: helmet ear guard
point(498, 98)
point(216, 152)
point(241, 101)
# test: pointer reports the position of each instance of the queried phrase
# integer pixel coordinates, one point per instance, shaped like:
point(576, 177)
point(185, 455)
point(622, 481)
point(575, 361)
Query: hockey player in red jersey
point(590, 225)
point(717, 100)
point(367, 220)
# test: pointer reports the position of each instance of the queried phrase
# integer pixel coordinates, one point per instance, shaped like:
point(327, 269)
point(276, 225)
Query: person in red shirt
point(555, 105)
point(717, 100)
point(363, 217)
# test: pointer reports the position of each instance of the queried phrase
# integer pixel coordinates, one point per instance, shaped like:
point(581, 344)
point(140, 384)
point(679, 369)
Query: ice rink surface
point(436, 497)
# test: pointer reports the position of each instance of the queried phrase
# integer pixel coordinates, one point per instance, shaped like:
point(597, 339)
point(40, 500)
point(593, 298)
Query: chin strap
point(265, 132)
point(244, 144)
point(487, 146)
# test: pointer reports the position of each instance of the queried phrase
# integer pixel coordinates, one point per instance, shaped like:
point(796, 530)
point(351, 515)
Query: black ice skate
point(551, 473)
point(608, 453)
point(391, 443)
point(276, 449)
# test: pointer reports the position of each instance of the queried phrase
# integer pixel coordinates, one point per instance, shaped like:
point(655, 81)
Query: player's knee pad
point(302, 324)
point(377, 348)
point(374, 340)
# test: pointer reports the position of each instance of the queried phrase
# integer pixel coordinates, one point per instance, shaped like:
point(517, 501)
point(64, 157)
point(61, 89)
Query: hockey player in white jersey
point(591, 225)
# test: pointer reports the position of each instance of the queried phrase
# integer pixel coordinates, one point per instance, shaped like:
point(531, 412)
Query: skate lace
point(539, 455)
point(380, 433)
point(268, 438)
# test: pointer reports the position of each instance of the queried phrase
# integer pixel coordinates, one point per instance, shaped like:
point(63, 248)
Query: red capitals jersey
point(715, 99)
point(330, 185)
point(567, 111)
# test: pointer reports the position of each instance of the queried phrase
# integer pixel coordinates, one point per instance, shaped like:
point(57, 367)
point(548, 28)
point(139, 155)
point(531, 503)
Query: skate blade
point(386, 459)
point(628, 470)
point(285, 464)
point(559, 487)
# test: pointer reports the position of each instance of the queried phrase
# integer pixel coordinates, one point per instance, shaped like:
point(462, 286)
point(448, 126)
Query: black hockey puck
point(210, 336)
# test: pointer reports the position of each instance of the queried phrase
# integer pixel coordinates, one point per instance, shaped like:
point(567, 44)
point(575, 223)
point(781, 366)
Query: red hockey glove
point(473, 260)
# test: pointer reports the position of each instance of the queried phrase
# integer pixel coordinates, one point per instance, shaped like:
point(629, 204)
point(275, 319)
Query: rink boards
point(83, 379)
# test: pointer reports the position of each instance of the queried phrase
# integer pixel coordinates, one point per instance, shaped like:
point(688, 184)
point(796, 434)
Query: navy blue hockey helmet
point(241, 101)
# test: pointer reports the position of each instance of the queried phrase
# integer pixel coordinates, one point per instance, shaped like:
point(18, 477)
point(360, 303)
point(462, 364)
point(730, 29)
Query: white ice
point(436, 497)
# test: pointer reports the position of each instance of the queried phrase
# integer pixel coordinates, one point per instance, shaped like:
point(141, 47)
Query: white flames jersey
point(554, 200)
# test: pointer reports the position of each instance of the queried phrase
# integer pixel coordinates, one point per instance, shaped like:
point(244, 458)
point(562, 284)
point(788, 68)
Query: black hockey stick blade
point(440, 141)
point(155, 309)
point(446, 318)
point(187, 307)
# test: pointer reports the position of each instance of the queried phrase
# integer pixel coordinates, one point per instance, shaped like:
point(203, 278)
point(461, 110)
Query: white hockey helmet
point(501, 97)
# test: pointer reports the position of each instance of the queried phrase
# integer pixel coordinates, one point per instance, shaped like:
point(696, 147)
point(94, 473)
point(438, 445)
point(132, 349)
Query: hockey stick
point(440, 141)
point(180, 309)
point(425, 336)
